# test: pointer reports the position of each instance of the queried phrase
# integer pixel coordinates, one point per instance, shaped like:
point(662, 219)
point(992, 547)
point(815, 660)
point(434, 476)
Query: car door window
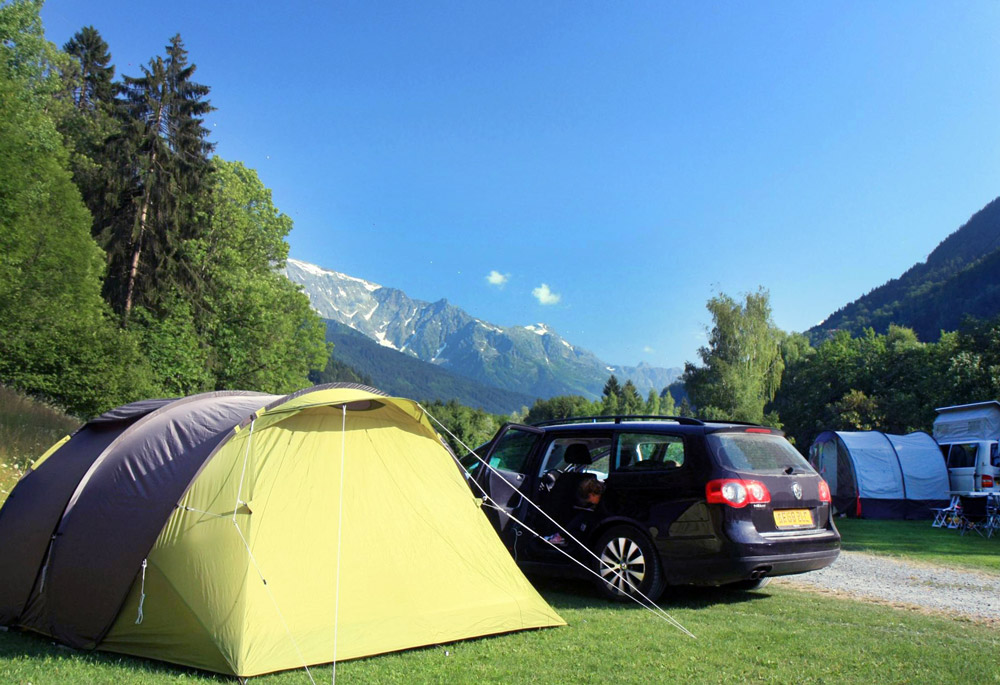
point(511, 452)
point(649, 452)
point(555, 456)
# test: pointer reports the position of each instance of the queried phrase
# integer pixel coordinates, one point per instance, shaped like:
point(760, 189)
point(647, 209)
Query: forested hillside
point(960, 278)
point(400, 374)
point(133, 262)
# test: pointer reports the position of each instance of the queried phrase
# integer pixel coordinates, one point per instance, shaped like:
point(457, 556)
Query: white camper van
point(968, 435)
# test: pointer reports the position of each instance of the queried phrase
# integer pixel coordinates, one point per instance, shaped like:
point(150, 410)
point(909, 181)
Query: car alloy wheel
point(628, 564)
point(624, 565)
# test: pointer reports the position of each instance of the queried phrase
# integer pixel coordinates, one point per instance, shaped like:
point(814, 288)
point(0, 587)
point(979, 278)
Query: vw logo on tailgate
point(797, 490)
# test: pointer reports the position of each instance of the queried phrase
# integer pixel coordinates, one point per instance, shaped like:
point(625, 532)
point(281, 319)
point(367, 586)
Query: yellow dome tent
point(216, 532)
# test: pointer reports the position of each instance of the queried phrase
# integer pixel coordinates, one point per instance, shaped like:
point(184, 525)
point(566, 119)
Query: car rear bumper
point(746, 554)
point(718, 571)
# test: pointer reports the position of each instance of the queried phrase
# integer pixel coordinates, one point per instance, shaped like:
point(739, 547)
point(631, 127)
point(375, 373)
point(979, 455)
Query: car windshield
point(757, 453)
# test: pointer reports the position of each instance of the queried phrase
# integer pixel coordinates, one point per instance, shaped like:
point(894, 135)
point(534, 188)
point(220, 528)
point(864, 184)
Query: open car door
point(509, 455)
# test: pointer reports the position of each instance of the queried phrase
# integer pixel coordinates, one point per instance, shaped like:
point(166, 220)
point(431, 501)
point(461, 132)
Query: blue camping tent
point(879, 476)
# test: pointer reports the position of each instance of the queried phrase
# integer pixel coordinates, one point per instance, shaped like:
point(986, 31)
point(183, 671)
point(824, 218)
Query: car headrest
point(578, 454)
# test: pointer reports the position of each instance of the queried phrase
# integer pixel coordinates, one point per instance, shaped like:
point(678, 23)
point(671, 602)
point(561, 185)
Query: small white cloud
point(544, 294)
point(498, 279)
point(647, 349)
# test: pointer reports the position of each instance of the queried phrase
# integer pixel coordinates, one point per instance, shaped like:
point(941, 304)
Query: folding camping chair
point(993, 511)
point(976, 515)
point(946, 517)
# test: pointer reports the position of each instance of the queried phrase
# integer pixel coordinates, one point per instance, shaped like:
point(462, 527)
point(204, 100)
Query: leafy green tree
point(975, 365)
point(27, 56)
point(473, 427)
point(260, 330)
point(888, 382)
point(171, 344)
point(742, 363)
point(55, 336)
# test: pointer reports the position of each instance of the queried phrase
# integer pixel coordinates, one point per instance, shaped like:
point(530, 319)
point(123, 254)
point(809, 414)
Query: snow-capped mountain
point(531, 359)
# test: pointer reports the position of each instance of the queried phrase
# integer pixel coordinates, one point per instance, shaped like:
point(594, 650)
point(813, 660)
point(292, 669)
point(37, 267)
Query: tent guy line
point(652, 606)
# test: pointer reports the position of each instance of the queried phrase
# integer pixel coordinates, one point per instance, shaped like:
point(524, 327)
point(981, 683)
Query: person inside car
point(588, 496)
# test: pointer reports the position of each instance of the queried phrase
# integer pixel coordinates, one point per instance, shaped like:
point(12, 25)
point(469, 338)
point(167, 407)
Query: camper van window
point(994, 455)
point(962, 456)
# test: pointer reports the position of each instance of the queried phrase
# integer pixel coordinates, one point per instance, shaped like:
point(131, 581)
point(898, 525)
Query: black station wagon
point(682, 501)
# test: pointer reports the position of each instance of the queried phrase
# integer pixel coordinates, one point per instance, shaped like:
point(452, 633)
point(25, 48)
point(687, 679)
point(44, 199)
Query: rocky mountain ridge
point(531, 359)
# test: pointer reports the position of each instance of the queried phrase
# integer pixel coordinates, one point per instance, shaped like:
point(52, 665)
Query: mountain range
point(531, 360)
point(961, 277)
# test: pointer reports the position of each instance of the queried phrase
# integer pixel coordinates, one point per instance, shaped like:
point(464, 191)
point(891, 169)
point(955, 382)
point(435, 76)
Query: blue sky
point(617, 163)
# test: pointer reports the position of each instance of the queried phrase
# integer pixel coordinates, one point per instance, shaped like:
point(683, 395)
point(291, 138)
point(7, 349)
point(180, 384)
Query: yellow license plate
point(786, 518)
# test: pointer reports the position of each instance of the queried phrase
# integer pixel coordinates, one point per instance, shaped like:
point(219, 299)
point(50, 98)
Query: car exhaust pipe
point(759, 572)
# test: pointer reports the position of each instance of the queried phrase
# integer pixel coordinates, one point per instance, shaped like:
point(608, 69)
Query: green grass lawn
point(777, 635)
point(918, 541)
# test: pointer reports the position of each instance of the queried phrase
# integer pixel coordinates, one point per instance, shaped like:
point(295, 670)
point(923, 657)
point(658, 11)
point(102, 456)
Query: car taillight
point(824, 491)
point(736, 492)
point(987, 481)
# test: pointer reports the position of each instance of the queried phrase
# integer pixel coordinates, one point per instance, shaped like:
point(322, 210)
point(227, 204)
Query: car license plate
point(787, 518)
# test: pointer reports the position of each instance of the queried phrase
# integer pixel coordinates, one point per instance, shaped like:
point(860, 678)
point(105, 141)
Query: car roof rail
point(734, 423)
point(682, 420)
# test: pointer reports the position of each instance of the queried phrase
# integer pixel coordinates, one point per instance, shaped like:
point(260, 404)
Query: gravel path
point(929, 587)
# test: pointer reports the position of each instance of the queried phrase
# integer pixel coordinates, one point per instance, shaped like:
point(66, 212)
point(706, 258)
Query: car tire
point(748, 585)
point(632, 558)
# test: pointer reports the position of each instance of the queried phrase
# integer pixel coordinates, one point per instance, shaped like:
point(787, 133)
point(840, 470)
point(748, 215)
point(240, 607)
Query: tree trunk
point(136, 251)
point(143, 214)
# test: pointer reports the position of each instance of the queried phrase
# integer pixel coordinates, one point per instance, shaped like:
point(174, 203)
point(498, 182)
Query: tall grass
point(27, 428)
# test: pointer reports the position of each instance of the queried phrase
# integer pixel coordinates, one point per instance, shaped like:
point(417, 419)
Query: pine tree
point(92, 81)
point(87, 117)
point(667, 405)
point(612, 388)
point(652, 403)
point(163, 174)
point(631, 401)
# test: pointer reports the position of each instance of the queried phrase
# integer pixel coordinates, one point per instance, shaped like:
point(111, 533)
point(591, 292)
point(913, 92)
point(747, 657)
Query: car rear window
point(756, 452)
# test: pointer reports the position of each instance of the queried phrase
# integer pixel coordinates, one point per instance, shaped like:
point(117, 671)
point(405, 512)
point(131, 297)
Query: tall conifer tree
point(164, 171)
point(87, 117)
point(92, 81)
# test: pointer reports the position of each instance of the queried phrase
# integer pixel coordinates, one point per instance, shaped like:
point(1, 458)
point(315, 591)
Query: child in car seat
point(587, 498)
